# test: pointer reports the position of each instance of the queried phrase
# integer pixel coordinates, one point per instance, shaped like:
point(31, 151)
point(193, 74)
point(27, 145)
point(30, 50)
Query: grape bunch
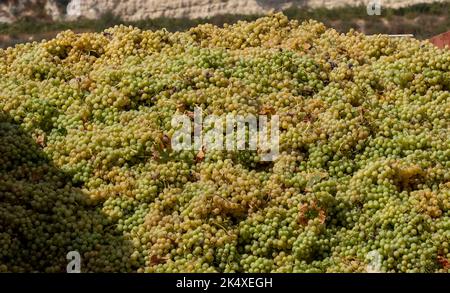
point(87, 165)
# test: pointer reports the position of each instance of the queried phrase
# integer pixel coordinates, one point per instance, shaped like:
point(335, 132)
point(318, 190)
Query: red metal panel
point(441, 40)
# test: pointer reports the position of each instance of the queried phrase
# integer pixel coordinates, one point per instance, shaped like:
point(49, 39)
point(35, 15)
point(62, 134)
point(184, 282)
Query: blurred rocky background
point(29, 20)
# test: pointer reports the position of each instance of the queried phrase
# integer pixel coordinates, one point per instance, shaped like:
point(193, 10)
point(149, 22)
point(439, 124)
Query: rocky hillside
point(12, 10)
point(141, 9)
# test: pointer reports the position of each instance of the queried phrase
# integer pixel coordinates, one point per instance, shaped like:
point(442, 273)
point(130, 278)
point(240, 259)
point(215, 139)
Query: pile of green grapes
point(364, 165)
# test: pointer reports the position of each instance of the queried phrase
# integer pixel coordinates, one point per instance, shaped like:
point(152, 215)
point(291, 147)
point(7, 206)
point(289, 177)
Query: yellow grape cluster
point(86, 162)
